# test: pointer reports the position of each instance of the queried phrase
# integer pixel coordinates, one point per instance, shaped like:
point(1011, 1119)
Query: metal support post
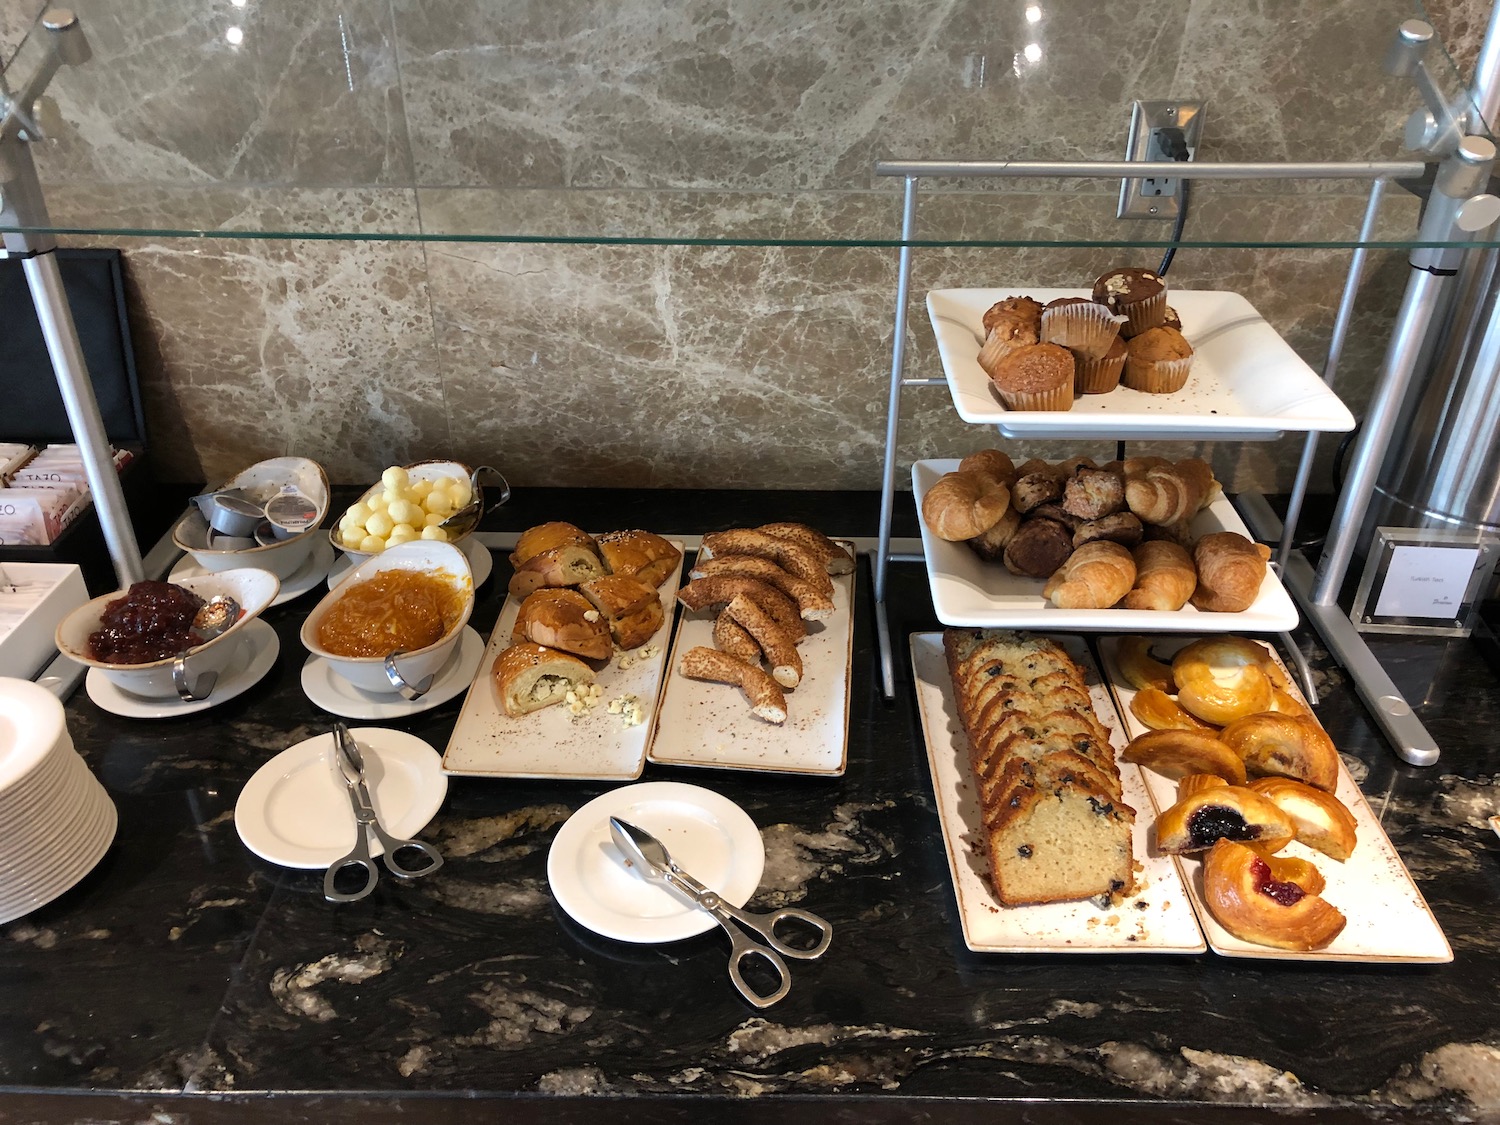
point(892, 424)
point(24, 210)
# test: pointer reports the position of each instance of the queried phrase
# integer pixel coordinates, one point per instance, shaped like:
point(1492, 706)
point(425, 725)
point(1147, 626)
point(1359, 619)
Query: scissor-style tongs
point(648, 857)
point(351, 767)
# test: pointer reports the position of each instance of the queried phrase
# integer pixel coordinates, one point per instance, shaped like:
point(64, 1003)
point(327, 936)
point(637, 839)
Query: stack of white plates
point(56, 820)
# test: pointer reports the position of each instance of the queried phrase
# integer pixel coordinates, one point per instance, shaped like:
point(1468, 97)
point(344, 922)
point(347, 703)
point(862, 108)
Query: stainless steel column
point(22, 206)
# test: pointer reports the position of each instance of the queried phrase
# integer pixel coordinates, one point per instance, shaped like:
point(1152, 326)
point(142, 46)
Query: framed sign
point(1423, 581)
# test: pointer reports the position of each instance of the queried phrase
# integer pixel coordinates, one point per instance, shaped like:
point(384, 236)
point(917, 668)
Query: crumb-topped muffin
point(1026, 307)
point(1036, 377)
point(1007, 332)
point(1158, 361)
point(1136, 294)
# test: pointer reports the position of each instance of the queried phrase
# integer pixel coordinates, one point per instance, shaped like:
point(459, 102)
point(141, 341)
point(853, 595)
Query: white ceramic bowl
point(421, 470)
point(253, 589)
point(368, 672)
point(260, 482)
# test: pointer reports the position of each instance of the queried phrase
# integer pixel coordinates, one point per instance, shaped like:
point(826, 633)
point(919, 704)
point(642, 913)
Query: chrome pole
point(23, 207)
point(47, 293)
point(1454, 213)
point(892, 424)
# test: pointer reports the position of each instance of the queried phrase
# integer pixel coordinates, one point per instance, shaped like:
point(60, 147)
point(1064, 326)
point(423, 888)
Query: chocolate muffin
point(1038, 548)
point(1136, 294)
point(1122, 528)
point(1033, 489)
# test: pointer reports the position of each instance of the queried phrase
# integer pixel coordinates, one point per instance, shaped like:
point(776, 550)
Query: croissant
point(1230, 571)
point(962, 505)
point(1165, 494)
point(1096, 576)
point(1164, 577)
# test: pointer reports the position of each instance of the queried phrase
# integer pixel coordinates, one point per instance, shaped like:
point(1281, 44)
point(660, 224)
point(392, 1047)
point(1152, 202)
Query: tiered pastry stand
point(1460, 176)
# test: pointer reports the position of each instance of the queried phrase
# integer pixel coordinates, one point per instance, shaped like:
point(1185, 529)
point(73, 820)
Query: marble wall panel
point(737, 365)
point(16, 18)
point(272, 91)
point(257, 348)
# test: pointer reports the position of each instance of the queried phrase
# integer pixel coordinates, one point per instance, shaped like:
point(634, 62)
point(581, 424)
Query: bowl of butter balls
point(410, 503)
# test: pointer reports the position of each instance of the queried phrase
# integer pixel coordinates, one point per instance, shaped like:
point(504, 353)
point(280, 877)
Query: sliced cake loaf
point(1055, 826)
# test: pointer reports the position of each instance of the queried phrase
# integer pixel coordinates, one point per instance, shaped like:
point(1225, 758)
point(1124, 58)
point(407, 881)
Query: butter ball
point(395, 478)
point(380, 523)
point(432, 531)
point(372, 545)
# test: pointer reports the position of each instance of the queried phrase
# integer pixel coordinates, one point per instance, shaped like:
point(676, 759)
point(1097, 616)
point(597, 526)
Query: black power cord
point(1174, 146)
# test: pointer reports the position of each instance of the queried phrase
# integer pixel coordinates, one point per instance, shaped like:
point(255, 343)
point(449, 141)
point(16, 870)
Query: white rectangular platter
point(710, 725)
point(966, 590)
point(1156, 918)
point(1388, 919)
point(551, 743)
point(1247, 383)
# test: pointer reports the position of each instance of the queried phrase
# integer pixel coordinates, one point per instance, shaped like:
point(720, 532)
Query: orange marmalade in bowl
point(395, 611)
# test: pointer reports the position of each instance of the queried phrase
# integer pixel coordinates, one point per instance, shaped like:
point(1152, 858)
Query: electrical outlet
point(1158, 197)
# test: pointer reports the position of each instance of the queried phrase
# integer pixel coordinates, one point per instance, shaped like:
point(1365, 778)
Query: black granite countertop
point(185, 980)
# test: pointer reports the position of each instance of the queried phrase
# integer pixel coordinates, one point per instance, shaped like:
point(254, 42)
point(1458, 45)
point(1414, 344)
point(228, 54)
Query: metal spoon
point(213, 619)
point(469, 515)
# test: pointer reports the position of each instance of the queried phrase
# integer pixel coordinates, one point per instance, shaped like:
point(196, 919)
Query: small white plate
point(481, 564)
point(1247, 383)
point(1157, 917)
point(337, 695)
point(968, 591)
point(259, 647)
point(708, 836)
point(294, 812)
point(312, 571)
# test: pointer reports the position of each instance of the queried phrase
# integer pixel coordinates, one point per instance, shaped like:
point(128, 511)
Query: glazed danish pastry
point(1245, 897)
point(1222, 812)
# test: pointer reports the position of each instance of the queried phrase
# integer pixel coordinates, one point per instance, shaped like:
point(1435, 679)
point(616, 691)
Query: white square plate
point(1247, 383)
point(593, 746)
point(1388, 919)
point(966, 590)
point(1156, 918)
point(707, 724)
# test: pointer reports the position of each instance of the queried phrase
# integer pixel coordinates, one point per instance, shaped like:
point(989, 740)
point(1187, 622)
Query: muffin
point(1158, 361)
point(1025, 307)
point(1099, 376)
point(1007, 332)
point(1036, 377)
point(1136, 294)
point(1171, 319)
point(1084, 327)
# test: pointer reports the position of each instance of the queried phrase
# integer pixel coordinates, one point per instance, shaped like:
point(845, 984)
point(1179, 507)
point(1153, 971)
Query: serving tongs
point(350, 765)
point(648, 858)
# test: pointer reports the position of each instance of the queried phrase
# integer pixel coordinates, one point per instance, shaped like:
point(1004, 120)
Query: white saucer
point(480, 563)
point(335, 694)
point(312, 571)
point(259, 646)
point(293, 811)
point(708, 836)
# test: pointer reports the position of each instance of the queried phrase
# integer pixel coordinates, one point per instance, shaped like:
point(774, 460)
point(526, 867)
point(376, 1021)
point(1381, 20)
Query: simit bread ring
point(836, 560)
point(1246, 899)
point(732, 637)
point(1219, 680)
point(812, 602)
point(1277, 745)
point(780, 650)
point(1222, 812)
point(720, 588)
point(766, 699)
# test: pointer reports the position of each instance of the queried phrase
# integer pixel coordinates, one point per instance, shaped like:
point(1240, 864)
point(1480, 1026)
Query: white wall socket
point(1157, 198)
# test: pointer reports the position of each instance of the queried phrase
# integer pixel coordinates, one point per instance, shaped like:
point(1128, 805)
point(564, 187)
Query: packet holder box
point(27, 645)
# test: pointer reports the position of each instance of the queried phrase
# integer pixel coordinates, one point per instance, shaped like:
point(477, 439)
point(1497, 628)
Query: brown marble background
point(683, 364)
